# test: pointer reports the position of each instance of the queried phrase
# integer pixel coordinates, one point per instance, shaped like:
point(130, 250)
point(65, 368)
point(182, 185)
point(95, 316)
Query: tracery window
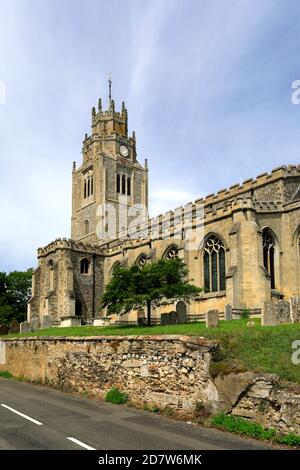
point(269, 254)
point(171, 253)
point(214, 264)
point(128, 186)
point(142, 260)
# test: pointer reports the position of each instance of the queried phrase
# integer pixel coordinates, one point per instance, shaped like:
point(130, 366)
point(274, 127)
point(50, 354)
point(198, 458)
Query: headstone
point(141, 320)
point(35, 324)
point(46, 322)
point(25, 327)
point(251, 323)
point(14, 327)
point(181, 311)
point(283, 312)
point(275, 313)
point(168, 318)
point(4, 330)
point(295, 309)
point(212, 318)
point(228, 312)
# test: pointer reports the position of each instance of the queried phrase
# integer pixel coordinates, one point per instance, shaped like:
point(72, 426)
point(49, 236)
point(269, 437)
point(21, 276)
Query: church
point(240, 245)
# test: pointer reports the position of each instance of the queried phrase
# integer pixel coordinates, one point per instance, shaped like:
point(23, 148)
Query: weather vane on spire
point(109, 86)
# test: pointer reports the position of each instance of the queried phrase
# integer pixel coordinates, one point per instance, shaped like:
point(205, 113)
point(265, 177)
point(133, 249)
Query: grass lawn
point(261, 349)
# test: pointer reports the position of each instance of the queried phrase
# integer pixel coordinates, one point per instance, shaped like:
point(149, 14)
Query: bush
point(116, 396)
point(6, 374)
point(242, 426)
point(289, 439)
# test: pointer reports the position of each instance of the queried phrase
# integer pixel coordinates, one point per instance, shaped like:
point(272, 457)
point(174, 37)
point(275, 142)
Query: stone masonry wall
point(165, 371)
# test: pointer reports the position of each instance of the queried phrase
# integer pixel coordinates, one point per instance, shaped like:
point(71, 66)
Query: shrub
point(6, 374)
point(242, 426)
point(114, 395)
point(289, 439)
point(245, 313)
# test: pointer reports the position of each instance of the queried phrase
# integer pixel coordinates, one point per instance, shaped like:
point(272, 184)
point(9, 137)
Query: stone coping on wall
point(195, 340)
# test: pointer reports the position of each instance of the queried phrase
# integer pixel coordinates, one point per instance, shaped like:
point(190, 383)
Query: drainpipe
point(94, 284)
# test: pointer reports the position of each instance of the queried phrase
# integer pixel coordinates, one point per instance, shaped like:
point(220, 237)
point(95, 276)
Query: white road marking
point(21, 414)
point(80, 443)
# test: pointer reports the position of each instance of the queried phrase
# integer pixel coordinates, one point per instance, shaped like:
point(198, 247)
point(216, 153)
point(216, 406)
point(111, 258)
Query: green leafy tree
point(146, 286)
point(15, 291)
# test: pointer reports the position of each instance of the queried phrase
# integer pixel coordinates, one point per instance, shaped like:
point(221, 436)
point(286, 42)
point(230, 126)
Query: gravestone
point(283, 312)
point(4, 330)
point(168, 318)
point(212, 318)
point(141, 320)
point(228, 312)
point(181, 312)
point(35, 324)
point(275, 313)
point(14, 327)
point(25, 327)
point(46, 322)
point(295, 309)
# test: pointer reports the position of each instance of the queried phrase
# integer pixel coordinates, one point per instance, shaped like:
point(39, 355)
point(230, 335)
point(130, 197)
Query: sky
point(207, 84)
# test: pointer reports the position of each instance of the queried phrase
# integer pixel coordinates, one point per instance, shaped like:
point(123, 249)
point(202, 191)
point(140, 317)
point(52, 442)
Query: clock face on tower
point(124, 151)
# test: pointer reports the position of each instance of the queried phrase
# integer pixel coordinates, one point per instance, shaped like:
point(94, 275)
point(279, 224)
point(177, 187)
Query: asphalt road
point(39, 418)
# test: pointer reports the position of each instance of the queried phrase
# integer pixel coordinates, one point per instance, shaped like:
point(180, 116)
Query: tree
point(146, 286)
point(15, 291)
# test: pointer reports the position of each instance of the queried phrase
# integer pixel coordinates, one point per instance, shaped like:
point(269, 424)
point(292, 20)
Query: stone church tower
point(110, 178)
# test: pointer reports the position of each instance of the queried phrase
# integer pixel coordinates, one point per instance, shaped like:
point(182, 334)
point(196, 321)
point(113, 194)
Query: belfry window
point(123, 184)
point(89, 187)
point(118, 184)
point(128, 186)
point(84, 266)
point(92, 185)
point(85, 189)
point(269, 254)
point(214, 264)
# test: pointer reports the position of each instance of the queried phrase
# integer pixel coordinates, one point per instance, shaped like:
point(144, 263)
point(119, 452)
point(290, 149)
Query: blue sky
point(207, 84)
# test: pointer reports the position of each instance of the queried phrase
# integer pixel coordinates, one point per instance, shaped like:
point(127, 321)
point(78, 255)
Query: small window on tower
point(118, 184)
point(87, 227)
point(84, 266)
point(129, 186)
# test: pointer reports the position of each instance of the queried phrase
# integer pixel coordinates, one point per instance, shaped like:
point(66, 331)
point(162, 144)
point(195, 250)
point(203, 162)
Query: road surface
point(39, 418)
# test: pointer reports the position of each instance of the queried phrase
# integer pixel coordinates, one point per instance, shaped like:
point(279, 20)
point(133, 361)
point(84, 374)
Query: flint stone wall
point(162, 370)
point(169, 371)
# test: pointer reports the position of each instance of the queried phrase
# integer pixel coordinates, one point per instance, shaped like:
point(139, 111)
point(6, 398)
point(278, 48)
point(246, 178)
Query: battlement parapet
point(69, 244)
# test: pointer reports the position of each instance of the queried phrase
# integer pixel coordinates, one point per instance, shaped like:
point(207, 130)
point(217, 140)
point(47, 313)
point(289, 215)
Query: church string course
point(241, 245)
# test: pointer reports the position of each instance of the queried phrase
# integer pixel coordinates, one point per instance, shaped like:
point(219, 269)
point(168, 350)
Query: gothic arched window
point(141, 260)
point(214, 264)
point(85, 189)
point(84, 266)
point(89, 187)
point(171, 252)
point(269, 254)
point(123, 184)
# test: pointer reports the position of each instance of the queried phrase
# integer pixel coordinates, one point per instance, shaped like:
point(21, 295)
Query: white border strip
point(21, 414)
point(85, 446)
